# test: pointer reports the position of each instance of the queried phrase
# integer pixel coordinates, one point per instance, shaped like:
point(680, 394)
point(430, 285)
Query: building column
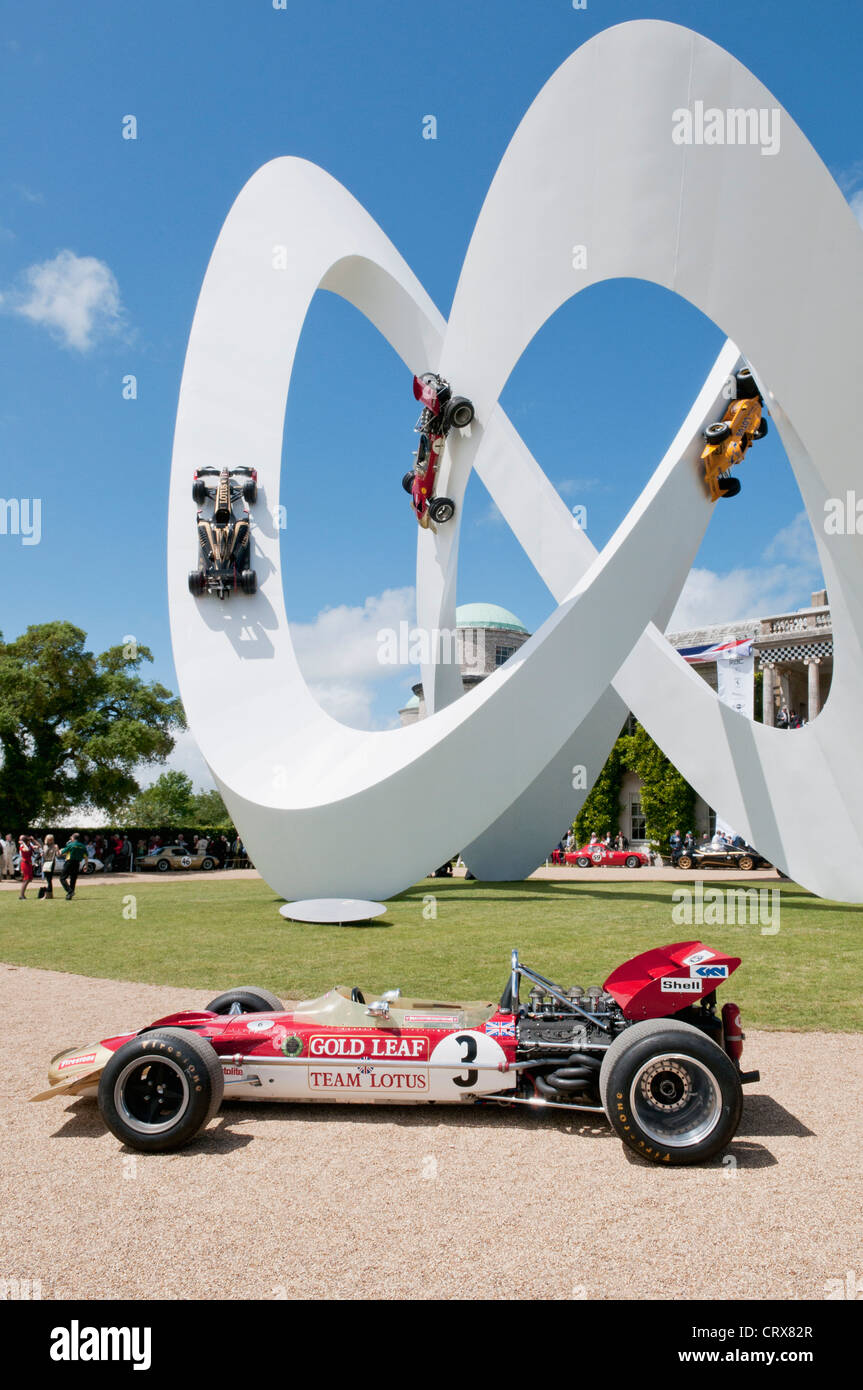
point(785, 689)
point(768, 695)
point(814, 706)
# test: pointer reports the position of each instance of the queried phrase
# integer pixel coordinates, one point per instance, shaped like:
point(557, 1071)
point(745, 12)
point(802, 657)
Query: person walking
point(49, 864)
point(27, 846)
point(75, 852)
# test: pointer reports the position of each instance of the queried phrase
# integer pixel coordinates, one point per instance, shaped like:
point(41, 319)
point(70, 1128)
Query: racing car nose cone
point(341, 911)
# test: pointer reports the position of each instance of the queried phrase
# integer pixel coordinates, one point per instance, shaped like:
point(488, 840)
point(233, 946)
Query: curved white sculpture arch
point(732, 231)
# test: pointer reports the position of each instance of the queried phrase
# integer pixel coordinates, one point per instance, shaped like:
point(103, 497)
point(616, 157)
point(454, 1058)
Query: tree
point(73, 726)
point(667, 799)
point(169, 801)
point(600, 813)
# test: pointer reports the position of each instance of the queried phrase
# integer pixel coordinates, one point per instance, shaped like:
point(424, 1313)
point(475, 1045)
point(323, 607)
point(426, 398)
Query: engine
point(567, 1046)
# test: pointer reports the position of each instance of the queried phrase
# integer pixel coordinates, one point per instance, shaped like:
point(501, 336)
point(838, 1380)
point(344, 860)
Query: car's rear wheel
point(632, 861)
point(208, 863)
point(746, 862)
point(441, 509)
point(197, 582)
point(717, 432)
point(246, 999)
point(199, 492)
point(250, 493)
point(249, 582)
point(458, 413)
point(582, 862)
point(160, 1089)
point(761, 430)
point(747, 387)
point(670, 1093)
point(683, 861)
point(408, 482)
point(729, 487)
point(163, 865)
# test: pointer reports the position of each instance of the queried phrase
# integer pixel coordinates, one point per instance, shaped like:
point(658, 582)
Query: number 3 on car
point(476, 1061)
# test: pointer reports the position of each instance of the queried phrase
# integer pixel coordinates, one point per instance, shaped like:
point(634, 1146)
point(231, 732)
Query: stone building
point(793, 651)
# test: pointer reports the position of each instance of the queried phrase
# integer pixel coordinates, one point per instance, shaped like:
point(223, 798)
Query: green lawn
point(211, 935)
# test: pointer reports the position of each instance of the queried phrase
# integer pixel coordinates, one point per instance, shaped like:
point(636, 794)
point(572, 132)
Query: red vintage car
point(670, 1087)
point(602, 857)
point(441, 412)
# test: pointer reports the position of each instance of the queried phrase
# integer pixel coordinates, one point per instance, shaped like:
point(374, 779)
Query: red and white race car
point(441, 412)
point(600, 856)
point(670, 1086)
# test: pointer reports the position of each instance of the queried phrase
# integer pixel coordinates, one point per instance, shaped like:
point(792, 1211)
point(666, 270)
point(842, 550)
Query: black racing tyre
point(683, 861)
point(717, 432)
point(249, 582)
point(208, 863)
point(408, 482)
point(670, 1093)
point(582, 862)
point(199, 492)
point(197, 582)
point(251, 999)
point(250, 492)
point(163, 865)
point(441, 509)
point(729, 487)
point(160, 1089)
point(747, 388)
point(632, 861)
point(458, 413)
point(762, 429)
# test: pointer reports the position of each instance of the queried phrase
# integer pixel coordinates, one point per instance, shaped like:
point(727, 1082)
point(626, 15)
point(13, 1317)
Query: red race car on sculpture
point(670, 1086)
point(440, 413)
point(601, 856)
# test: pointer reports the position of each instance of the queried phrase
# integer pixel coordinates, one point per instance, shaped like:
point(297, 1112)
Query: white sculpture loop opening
point(765, 247)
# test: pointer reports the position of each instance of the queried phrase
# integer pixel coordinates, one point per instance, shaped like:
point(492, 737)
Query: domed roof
point(488, 615)
point(412, 703)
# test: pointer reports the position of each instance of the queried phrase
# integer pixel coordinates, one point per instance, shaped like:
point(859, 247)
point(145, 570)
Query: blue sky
point(104, 242)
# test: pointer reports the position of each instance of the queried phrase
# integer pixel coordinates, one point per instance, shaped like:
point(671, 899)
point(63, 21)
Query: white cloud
point(856, 204)
point(338, 654)
point(76, 298)
point(186, 757)
point(782, 585)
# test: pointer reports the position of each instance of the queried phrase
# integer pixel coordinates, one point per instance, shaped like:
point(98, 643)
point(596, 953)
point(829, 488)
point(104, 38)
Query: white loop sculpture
point(765, 245)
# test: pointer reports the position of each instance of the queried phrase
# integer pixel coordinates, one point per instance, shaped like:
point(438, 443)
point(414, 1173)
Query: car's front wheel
point(208, 863)
point(717, 432)
point(683, 861)
point(670, 1093)
point(746, 862)
point(441, 509)
point(747, 387)
point(582, 862)
point(246, 999)
point(729, 487)
point(250, 493)
point(197, 582)
point(160, 1089)
point(408, 482)
point(457, 413)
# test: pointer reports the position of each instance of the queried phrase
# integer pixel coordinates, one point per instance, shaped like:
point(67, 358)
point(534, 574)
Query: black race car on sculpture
point(224, 537)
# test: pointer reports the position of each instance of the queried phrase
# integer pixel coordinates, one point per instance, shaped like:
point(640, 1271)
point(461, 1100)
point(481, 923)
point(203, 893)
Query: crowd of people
point(787, 719)
point(568, 844)
point(32, 856)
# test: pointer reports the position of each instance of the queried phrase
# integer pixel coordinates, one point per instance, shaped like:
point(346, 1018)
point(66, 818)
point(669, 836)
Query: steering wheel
point(357, 996)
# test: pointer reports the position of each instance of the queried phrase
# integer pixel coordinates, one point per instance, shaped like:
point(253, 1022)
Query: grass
point(211, 935)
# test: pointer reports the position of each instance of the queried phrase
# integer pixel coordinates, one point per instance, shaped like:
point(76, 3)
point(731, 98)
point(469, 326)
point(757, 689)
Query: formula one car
point(671, 1087)
point(601, 857)
point(729, 438)
point(727, 858)
point(224, 539)
point(440, 413)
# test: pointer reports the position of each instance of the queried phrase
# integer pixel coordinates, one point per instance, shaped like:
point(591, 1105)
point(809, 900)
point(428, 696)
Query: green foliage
point(170, 801)
point(73, 726)
point(601, 810)
point(667, 800)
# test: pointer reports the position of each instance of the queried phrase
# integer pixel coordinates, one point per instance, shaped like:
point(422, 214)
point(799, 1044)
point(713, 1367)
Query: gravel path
point(288, 1201)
